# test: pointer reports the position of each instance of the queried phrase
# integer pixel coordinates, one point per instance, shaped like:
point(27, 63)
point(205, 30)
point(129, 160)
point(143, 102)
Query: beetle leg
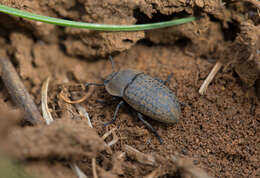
point(114, 98)
point(140, 116)
point(168, 78)
point(115, 114)
point(165, 81)
point(112, 63)
point(182, 104)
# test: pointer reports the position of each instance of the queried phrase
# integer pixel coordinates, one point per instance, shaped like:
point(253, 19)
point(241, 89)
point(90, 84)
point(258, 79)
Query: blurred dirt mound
point(245, 53)
point(9, 118)
point(64, 139)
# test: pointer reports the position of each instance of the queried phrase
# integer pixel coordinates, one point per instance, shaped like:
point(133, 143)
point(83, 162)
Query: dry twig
point(108, 133)
point(94, 168)
point(45, 110)
point(114, 141)
point(139, 156)
point(18, 91)
point(82, 111)
point(115, 137)
point(210, 77)
point(77, 171)
point(67, 100)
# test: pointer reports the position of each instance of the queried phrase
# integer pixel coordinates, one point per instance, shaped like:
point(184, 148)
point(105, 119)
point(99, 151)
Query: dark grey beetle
point(147, 95)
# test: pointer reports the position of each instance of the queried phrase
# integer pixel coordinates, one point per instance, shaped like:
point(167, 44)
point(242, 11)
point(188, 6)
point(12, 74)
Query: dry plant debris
point(44, 100)
point(18, 91)
point(138, 156)
point(210, 77)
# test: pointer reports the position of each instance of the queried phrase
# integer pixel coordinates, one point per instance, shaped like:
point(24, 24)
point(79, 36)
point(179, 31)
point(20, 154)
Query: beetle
point(146, 95)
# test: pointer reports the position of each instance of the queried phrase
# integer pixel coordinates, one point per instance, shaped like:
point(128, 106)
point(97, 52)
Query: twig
point(139, 156)
point(210, 77)
point(114, 141)
point(108, 133)
point(82, 111)
point(115, 137)
point(67, 100)
point(18, 91)
point(94, 168)
point(45, 111)
point(77, 171)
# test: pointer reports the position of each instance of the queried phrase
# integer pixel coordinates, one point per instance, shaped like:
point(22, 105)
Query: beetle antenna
point(112, 62)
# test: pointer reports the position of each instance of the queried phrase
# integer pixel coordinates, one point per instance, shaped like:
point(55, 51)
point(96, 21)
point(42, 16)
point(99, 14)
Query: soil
point(219, 131)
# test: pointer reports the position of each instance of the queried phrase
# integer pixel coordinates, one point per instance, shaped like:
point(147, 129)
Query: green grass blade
point(92, 26)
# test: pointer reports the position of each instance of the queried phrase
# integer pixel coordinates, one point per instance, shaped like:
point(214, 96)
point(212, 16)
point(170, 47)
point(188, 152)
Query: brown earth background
point(219, 131)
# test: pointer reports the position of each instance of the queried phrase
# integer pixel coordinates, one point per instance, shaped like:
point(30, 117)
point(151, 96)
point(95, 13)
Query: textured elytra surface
point(152, 98)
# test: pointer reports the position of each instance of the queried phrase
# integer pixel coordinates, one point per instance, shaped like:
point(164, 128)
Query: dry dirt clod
point(244, 56)
point(117, 162)
point(8, 118)
point(64, 138)
point(188, 167)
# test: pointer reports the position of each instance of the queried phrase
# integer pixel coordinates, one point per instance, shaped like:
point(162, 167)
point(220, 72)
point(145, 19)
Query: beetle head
point(116, 82)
